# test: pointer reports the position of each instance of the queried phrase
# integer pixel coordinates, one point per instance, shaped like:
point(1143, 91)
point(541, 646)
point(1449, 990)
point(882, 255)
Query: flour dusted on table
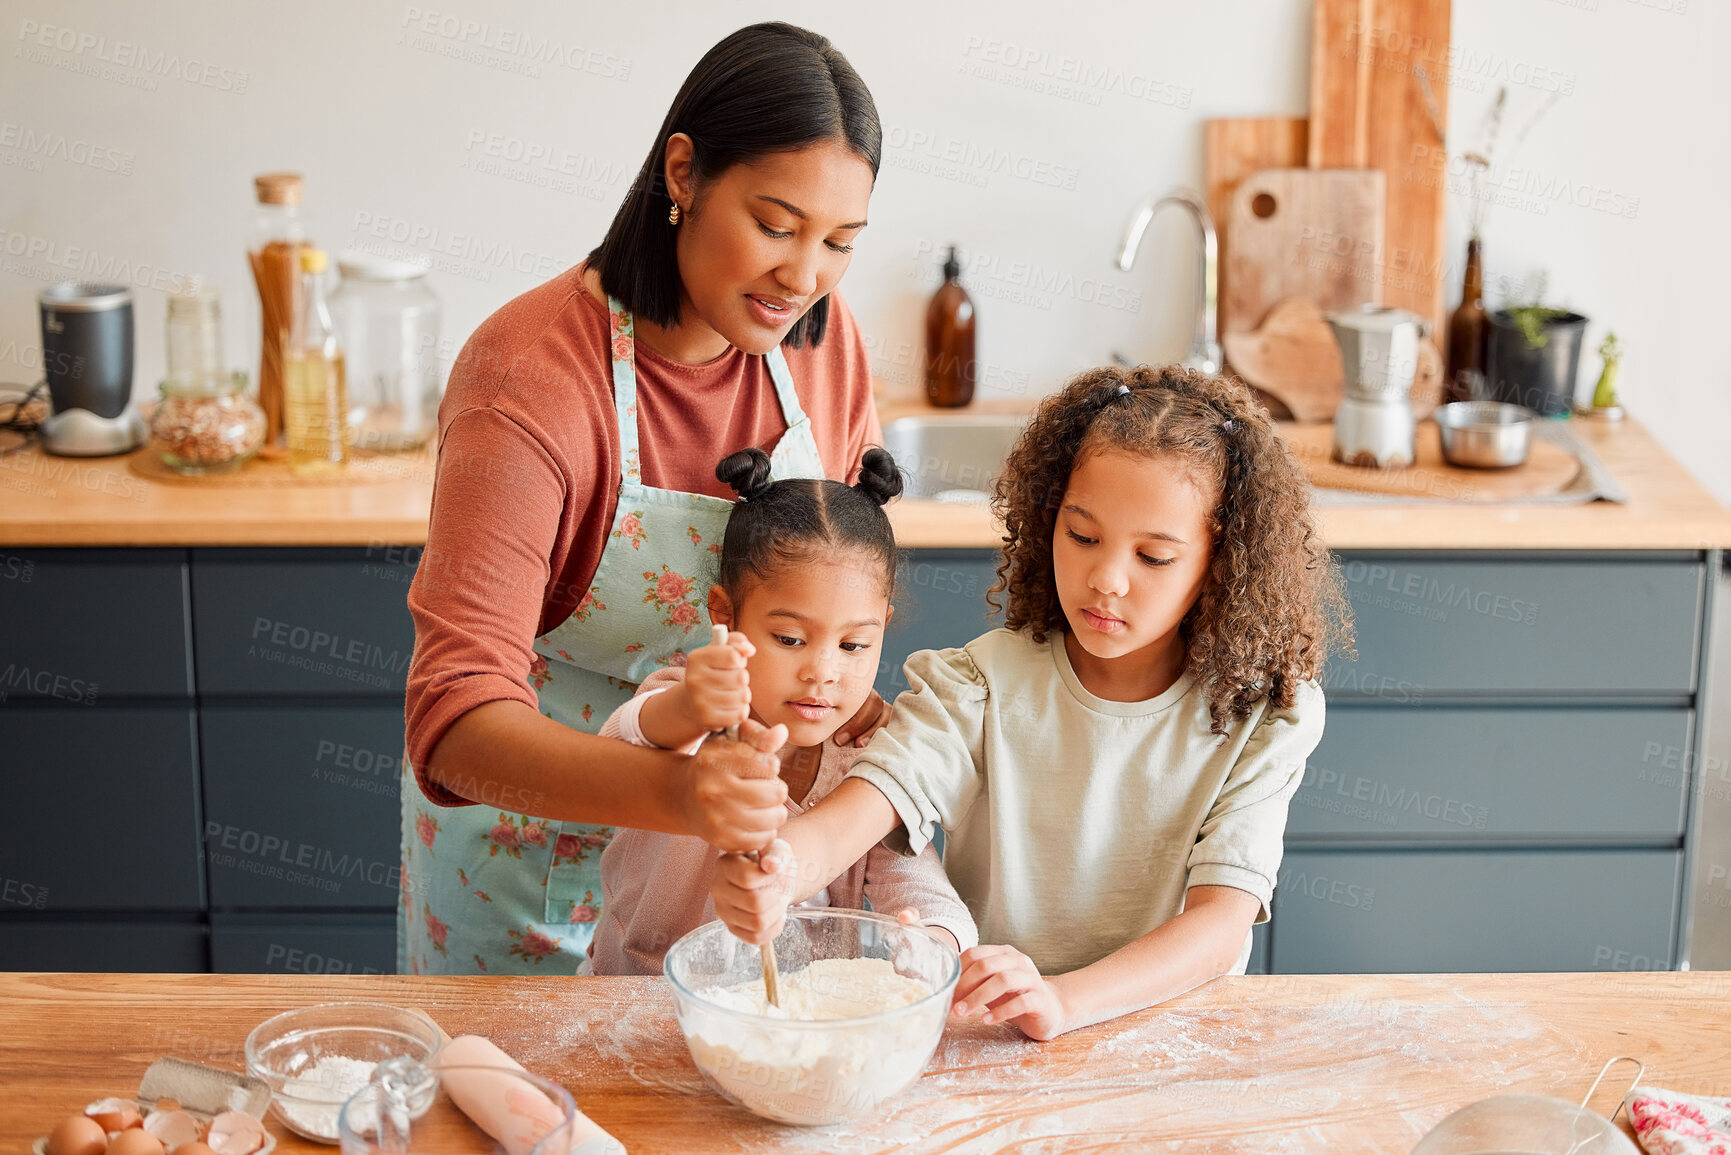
point(819, 1074)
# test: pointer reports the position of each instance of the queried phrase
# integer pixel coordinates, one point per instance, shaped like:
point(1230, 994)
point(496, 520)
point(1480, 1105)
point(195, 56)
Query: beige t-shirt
point(1074, 825)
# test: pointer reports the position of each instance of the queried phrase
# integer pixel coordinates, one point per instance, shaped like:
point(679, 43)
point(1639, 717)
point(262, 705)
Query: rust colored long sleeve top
point(529, 471)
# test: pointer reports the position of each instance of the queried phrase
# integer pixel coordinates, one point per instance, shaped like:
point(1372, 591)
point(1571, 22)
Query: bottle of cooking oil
point(315, 395)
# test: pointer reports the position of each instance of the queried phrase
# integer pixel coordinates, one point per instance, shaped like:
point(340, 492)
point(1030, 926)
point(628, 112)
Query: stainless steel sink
point(952, 457)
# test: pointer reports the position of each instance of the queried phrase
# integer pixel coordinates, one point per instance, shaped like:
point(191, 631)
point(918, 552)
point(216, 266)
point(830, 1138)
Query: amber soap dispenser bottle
point(950, 340)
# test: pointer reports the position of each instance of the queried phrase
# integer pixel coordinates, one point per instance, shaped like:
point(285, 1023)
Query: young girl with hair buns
point(1112, 769)
point(807, 569)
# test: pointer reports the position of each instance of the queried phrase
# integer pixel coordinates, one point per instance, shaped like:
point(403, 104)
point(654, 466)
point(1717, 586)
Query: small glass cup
point(386, 1118)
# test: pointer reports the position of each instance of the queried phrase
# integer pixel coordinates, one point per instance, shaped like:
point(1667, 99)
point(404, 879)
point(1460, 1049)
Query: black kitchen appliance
point(87, 360)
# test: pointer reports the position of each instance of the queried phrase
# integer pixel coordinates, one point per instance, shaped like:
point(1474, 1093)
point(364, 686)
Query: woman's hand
point(716, 683)
point(1003, 983)
point(873, 713)
point(734, 797)
point(751, 895)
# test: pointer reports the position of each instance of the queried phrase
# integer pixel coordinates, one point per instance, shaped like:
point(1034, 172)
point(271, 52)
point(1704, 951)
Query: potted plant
point(1532, 354)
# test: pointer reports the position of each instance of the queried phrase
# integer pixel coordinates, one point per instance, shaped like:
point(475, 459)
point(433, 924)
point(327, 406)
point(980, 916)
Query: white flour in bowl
point(319, 1092)
point(798, 1074)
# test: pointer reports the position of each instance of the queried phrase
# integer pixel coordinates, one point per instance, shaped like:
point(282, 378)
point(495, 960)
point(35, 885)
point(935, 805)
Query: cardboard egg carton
point(203, 1092)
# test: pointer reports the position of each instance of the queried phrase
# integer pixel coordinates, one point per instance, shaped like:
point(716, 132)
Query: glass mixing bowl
point(810, 1072)
point(286, 1052)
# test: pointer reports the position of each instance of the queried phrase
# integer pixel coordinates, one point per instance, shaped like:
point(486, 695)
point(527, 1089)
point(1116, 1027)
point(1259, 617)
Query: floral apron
point(488, 890)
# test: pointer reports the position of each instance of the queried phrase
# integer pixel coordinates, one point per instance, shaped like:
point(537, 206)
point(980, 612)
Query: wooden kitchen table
point(1331, 1063)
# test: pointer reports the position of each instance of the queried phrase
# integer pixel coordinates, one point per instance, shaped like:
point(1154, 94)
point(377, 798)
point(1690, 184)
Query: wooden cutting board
point(1548, 470)
point(1293, 357)
point(1295, 360)
point(1368, 108)
point(1301, 233)
point(1234, 149)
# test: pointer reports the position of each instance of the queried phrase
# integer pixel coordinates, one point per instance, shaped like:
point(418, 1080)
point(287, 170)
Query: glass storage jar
point(279, 231)
point(206, 424)
point(195, 333)
point(388, 320)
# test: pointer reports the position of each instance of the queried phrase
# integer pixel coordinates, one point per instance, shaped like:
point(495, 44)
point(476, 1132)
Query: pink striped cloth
point(1671, 1123)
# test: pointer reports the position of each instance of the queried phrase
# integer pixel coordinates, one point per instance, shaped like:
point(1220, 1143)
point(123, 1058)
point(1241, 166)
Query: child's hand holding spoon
point(721, 691)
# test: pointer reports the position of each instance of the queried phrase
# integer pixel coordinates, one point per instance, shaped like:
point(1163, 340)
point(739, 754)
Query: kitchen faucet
point(1204, 351)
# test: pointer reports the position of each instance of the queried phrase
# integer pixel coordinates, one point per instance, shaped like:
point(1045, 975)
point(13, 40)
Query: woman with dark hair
point(576, 511)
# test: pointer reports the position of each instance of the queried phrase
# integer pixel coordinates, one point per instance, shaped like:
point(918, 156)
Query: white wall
point(128, 146)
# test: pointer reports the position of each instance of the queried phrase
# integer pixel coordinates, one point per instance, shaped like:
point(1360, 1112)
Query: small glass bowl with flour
point(863, 1004)
point(315, 1057)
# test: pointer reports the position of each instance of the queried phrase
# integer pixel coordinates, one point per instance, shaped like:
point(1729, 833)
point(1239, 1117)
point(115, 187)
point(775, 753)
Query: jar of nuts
point(206, 424)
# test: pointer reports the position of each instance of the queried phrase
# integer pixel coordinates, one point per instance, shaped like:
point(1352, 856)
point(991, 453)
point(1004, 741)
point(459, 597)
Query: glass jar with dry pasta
point(206, 423)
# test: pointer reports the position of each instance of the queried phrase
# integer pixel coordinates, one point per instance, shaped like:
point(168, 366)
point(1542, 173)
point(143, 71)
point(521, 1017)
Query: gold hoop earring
point(673, 214)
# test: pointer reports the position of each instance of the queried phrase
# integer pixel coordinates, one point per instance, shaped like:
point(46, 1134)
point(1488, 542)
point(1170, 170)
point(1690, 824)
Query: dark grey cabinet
point(302, 621)
point(1398, 911)
point(326, 944)
point(205, 747)
point(111, 943)
point(83, 626)
point(203, 750)
point(103, 808)
point(1480, 774)
point(1486, 626)
point(301, 806)
point(1497, 787)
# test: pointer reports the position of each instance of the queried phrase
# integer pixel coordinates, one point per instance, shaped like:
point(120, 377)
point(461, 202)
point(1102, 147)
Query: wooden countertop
point(1326, 1063)
point(1667, 507)
point(56, 501)
point(104, 501)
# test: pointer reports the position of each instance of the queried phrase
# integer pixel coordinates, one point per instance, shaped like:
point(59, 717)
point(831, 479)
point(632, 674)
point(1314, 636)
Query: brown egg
point(135, 1142)
point(78, 1135)
point(193, 1148)
point(114, 1114)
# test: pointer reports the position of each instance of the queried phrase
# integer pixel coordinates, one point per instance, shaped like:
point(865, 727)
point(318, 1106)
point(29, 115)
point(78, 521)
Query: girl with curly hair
point(1112, 769)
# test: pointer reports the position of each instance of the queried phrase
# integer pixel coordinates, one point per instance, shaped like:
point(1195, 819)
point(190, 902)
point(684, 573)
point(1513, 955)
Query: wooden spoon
point(771, 976)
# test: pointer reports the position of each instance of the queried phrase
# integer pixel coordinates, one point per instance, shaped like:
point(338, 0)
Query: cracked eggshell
point(114, 1114)
point(178, 1085)
point(175, 1128)
point(235, 1133)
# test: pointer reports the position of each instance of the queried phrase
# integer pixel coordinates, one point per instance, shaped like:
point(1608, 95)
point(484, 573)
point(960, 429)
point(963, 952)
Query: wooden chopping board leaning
point(1307, 240)
point(1314, 233)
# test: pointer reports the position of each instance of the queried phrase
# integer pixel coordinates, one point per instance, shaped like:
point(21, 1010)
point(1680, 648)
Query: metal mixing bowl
point(1485, 434)
point(798, 1070)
